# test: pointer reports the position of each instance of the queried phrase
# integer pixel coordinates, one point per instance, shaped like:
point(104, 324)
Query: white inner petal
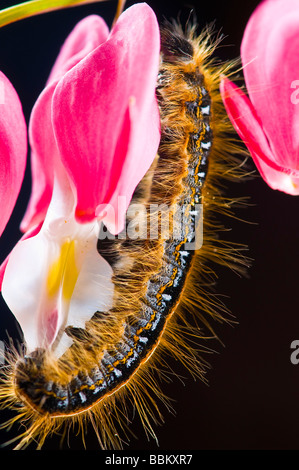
point(57, 278)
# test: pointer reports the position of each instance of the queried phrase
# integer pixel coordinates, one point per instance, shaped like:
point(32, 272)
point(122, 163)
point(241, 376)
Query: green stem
point(37, 7)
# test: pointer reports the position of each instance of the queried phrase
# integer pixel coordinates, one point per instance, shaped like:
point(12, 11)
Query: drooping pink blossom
point(98, 115)
point(13, 149)
point(94, 132)
point(268, 119)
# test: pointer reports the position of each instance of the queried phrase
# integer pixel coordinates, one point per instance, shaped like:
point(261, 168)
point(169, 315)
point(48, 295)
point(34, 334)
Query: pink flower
point(268, 122)
point(13, 149)
point(94, 132)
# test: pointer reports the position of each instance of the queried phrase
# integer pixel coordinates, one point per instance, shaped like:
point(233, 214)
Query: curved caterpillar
point(154, 279)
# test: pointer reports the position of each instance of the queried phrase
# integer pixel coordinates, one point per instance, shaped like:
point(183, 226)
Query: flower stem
point(119, 10)
point(36, 7)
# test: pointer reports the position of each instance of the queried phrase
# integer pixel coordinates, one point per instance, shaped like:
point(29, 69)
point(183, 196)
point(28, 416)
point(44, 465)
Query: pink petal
point(271, 65)
point(131, 173)
point(85, 37)
point(44, 153)
point(248, 125)
point(105, 115)
point(13, 149)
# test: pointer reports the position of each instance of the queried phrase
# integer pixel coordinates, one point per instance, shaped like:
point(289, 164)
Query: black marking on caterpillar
point(141, 333)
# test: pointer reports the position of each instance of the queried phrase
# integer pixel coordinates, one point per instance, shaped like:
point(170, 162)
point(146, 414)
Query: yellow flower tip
point(63, 273)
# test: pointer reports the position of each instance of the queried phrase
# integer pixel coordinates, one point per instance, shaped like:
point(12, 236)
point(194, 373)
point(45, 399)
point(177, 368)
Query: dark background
point(251, 401)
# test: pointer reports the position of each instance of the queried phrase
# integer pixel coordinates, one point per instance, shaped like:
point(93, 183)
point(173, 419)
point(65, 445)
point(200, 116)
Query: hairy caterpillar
point(153, 278)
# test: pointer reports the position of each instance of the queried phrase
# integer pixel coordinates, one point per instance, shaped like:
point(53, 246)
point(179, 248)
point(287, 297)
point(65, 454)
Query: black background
point(251, 401)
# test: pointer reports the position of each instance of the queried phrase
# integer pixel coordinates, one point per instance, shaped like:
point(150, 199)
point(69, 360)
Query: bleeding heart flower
point(13, 148)
point(94, 132)
point(268, 122)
